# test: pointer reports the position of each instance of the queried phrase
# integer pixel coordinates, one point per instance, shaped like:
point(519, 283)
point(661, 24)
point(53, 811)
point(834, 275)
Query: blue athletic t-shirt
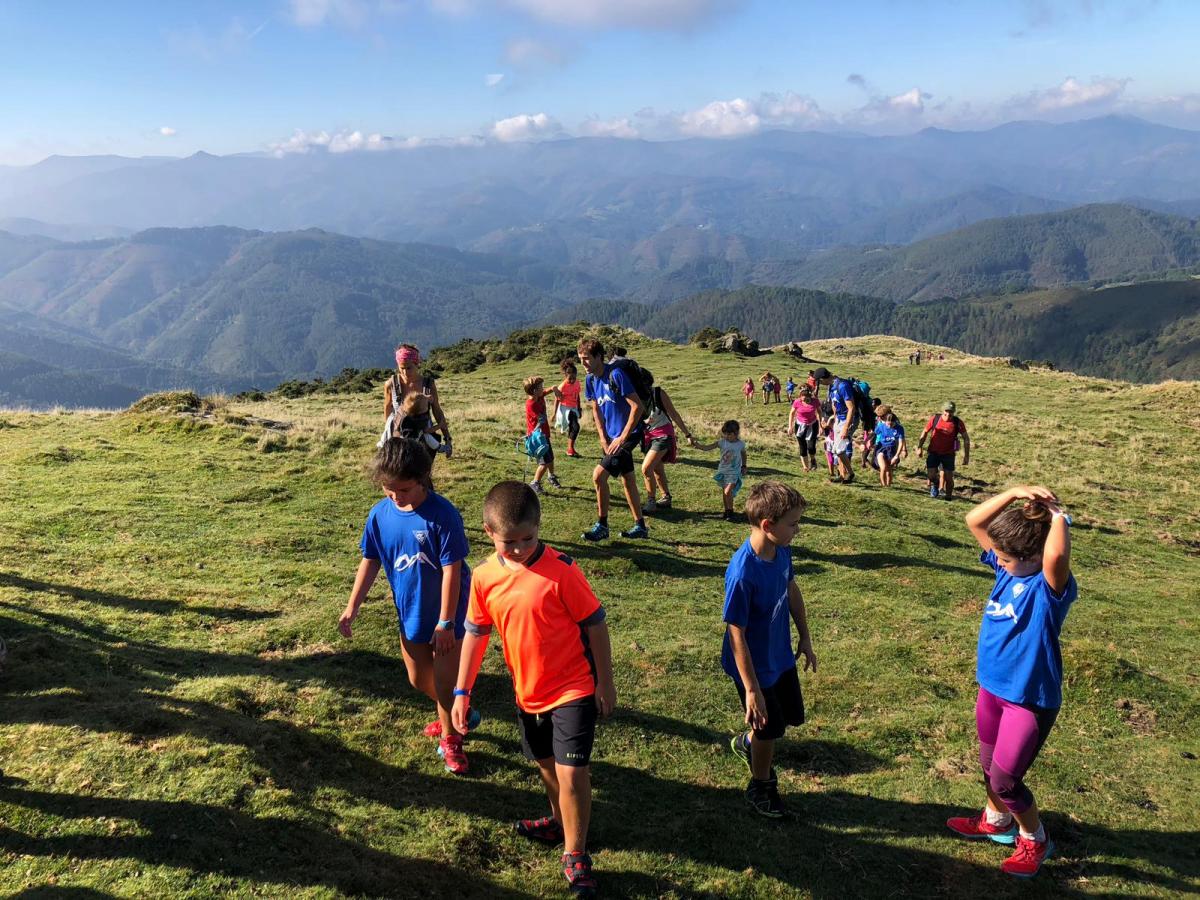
point(887, 438)
point(756, 599)
point(840, 393)
point(1019, 659)
point(614, 408)
point(413, 547)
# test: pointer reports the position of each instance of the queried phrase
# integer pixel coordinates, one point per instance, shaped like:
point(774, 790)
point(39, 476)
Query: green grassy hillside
point(178, 715)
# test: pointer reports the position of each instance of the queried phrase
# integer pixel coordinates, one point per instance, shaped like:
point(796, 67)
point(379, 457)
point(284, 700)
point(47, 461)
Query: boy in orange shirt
point(556, 646)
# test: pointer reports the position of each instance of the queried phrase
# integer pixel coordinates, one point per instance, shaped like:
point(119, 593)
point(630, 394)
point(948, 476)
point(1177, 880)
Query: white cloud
point(737, 117)
point(612, 128)
point(167, 131)
point(525, 127)
point(493, 79)
point(721, 118)
point(339, 142)
point(1073, 93)
point(667, 15)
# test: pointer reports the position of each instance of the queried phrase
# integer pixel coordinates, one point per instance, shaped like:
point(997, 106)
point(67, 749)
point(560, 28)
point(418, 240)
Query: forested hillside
point(1141, 332)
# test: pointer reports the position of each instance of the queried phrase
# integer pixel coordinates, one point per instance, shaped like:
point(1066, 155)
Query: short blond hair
point(414, 405)
point(772, 500)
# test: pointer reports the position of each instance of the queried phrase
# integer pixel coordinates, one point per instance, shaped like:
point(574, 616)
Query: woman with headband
point(408, 380)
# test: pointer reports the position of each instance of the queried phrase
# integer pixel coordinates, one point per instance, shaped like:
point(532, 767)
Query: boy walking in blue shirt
point(617, 410)
point(760, 595)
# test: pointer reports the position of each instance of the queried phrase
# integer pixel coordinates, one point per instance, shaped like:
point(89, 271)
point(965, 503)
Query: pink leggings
point(1010, 736)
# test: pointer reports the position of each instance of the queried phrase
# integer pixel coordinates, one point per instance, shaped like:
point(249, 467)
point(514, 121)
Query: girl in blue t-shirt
point(417, 537)
point(889, 444)
point(1019, 666)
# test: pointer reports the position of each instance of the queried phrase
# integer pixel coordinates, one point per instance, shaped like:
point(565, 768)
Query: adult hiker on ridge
point(407, 379)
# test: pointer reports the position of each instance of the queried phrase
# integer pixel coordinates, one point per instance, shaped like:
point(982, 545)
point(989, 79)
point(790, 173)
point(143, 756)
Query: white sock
point(998, 819)
point(1039, 836)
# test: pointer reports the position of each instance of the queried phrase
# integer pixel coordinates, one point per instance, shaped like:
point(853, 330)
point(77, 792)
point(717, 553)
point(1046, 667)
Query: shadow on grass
point(133, 604)
point(644, 556)
point(215, 839)
point(873, 561)
point(945, 543)
point(54, 892)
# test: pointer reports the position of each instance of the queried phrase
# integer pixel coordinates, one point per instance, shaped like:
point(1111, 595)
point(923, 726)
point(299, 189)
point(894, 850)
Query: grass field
point(178, 715)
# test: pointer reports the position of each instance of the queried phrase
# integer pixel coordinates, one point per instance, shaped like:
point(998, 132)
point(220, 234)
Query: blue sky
point(284, 75)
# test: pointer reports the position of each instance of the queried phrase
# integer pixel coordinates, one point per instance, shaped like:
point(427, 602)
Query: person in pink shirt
point(804, 421)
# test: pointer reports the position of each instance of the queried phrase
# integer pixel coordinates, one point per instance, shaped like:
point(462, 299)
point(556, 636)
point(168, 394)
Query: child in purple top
point(1019, 666)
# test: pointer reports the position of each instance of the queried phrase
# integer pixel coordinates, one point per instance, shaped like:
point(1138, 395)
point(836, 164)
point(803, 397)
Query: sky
point(289, 76)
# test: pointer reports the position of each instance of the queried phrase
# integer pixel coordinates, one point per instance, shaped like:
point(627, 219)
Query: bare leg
point(540, 472)
point(727, 497)
point(574, 804)
point(600, 479)
point(648, 472)
point(546, 769)
point(631, 495)
point(433, 676)
point(947, 482)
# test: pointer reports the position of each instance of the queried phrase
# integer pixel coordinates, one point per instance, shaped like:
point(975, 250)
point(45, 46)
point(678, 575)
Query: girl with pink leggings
point(1019, 665)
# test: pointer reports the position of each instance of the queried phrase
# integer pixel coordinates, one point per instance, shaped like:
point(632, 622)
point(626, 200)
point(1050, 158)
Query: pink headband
point(407, 355)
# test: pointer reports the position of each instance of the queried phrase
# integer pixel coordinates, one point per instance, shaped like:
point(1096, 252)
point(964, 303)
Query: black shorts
point(565, 732)
point(546, 458)
point(785, 705)
point(806, 437)
point(945, 460)
point(621, 462)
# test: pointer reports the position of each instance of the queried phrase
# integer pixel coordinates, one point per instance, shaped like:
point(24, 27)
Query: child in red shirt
point(537, 432)
point(557, 648)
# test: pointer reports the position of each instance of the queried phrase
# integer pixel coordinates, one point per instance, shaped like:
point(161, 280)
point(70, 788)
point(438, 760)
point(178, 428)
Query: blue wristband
point(446, 624)
point(459, 692)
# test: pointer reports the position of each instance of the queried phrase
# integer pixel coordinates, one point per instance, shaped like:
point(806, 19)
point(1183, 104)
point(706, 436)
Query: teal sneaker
point(637, 531)
point(598, 532)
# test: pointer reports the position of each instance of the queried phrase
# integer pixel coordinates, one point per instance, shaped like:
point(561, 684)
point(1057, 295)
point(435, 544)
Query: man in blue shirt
point(617, 411)
point(846, 415)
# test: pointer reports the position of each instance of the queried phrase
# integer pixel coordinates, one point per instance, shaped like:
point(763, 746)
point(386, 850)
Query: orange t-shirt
point(570, 394)
point(539, 611)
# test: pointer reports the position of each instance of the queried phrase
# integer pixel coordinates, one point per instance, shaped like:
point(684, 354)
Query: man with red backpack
point(944, 432)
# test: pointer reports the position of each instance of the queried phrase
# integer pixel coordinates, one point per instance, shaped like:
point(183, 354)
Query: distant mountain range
point(627, 211)
point(228, 308)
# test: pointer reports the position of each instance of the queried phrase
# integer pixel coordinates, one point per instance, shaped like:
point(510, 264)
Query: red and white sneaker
point(450, 749)
point(1027, 860)
point(434, 729)
point(976, 827)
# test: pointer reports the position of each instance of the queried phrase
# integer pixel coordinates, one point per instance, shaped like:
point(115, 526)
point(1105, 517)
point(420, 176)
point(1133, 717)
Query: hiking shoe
point(545, 829)
point(575, 454)
point(933, 491)
point(637, 531)
point(729, 515)
point(434, 728)
point(976, 827)
point(450, 749)
point(835, 479)
point(598, 532)
point(1027, 859)
point(554, 481)
point(764, 799)
point(947, 496)
point(649, 506)
point(740, 745)
point(537, 488)
point(665, 502)
point(577, 869)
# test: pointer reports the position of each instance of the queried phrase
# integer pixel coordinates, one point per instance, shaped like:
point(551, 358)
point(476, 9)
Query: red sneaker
point(975, 827)
point(1028, 858)
point(450, 749)
point(434, 729)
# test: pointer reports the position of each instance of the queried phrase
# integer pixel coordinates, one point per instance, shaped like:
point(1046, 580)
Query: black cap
point(821, 374)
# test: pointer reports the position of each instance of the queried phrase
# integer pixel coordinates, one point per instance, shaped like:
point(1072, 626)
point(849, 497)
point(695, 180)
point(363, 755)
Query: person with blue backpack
point(851, 407)
point(618, 410)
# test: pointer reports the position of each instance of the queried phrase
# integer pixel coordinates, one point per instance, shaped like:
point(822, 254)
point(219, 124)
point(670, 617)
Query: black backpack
point(642, 378)
point(862, 403)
